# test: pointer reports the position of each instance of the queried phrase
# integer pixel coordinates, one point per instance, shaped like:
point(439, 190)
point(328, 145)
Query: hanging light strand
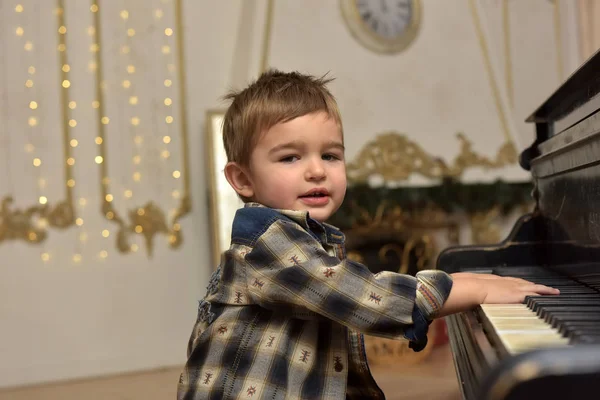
point(69, 122)
point(32, 104)
point(103, 119)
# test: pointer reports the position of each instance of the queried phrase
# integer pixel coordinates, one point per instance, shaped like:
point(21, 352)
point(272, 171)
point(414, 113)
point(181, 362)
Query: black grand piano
point(548, 347)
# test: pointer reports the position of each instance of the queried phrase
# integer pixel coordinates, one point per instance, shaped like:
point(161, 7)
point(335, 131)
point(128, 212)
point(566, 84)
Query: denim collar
point(325, 232)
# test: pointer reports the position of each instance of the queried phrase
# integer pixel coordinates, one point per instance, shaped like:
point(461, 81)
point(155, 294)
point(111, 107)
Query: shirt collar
point(328, 233)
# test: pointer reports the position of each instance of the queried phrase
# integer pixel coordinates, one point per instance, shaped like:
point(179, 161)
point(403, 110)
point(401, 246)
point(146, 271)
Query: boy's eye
point(288, 159)
point(330, 157)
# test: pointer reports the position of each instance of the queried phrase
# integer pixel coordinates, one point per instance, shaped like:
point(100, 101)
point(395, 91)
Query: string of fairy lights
point(148, 150)
point(168, 104)
point(68, 107)
point(129, 118)
point(33, 145)
point(96, 68)
point(128, 86)
point(82, 202)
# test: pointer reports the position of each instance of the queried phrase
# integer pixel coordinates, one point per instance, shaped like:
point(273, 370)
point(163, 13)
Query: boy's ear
point(239, 180)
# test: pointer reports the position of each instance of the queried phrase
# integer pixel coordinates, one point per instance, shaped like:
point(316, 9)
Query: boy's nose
point(315, 171)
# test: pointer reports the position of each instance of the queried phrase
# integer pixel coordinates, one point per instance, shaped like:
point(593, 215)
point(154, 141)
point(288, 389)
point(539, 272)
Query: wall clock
point(383, 26)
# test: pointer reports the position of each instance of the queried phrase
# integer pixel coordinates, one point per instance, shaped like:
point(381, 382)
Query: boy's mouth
point(318, 197)
point(318, 192)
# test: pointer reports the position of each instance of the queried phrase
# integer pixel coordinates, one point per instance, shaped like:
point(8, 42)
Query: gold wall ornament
point(31, 224)
point(484, 229)
point(414, 227)
point(467, 158)
point(355, 256)
point(394, 157)
point(422, 245)
point(485, 225)
point(392, 217)
point(148, 220)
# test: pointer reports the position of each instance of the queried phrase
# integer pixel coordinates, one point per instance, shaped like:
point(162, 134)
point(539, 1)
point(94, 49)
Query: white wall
point(64, 319)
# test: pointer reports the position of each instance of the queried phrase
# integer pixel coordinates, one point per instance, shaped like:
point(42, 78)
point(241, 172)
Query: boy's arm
point(287, 266)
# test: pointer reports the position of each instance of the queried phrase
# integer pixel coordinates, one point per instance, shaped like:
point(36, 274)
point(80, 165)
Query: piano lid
point(576, 99)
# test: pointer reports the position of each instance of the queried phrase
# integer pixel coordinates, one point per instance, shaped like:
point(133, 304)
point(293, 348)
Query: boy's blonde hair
point(275, 97)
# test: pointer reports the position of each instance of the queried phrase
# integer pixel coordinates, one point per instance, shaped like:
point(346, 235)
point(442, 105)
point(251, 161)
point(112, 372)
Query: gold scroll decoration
point(483, 228)
point(392, 217)
point(31, 223)
point(148, 220)
point(394, 157)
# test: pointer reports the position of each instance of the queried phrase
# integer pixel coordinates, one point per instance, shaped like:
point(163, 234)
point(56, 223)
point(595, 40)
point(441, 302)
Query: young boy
point(284, 313)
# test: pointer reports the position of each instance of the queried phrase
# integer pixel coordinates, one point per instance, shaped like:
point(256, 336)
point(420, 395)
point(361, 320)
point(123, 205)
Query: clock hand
point(383, 6)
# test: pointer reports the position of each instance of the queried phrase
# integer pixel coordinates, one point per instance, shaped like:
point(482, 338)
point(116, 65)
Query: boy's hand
point(470, 290)
point(513, 290)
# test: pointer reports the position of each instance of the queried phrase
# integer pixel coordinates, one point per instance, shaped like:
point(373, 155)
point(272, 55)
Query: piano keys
point(549, 346)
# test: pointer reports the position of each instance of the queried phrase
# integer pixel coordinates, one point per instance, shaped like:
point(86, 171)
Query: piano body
point(548, 347)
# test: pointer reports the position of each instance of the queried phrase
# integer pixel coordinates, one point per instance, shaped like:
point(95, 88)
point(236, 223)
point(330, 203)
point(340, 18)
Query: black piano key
point(556, 319)
point(563, 317)
point(569, 326)
point(537, 305)
point(547, 310)
point(566, 316)
point(590, 302)
point(531, 301)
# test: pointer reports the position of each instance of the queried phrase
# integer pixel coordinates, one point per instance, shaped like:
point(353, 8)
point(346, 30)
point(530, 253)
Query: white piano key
point(520, 329)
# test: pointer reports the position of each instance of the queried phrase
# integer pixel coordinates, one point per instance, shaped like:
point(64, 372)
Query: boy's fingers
point(542, 289)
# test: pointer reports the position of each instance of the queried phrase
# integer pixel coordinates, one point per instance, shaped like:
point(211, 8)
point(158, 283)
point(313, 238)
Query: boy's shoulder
point(252, 220)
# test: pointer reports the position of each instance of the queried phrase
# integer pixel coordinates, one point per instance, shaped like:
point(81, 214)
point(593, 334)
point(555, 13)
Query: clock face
point(386, 18)
point(385, 26)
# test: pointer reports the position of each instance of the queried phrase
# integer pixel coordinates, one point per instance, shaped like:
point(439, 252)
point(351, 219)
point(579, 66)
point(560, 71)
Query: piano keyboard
point(571, 318)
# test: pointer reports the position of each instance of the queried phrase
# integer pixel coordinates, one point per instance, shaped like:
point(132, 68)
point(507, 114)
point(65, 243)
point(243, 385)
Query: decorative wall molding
point(507, 48)
point(394, 157)
point(150, 219)
point(32, 223)
point(589, 27)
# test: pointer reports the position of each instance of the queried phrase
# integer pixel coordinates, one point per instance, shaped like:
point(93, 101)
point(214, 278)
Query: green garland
point(450, 195)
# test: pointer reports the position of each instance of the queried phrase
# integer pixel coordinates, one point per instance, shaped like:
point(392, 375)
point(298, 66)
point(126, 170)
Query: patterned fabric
point(282, 312)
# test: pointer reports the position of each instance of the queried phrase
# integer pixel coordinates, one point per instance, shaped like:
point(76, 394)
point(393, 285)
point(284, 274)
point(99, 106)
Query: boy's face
point(299, 165)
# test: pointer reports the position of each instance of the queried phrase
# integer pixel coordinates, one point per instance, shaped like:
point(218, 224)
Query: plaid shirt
point(282, 312)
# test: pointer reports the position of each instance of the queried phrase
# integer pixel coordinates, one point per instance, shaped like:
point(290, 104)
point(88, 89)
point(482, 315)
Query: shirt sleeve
point(292, 267)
